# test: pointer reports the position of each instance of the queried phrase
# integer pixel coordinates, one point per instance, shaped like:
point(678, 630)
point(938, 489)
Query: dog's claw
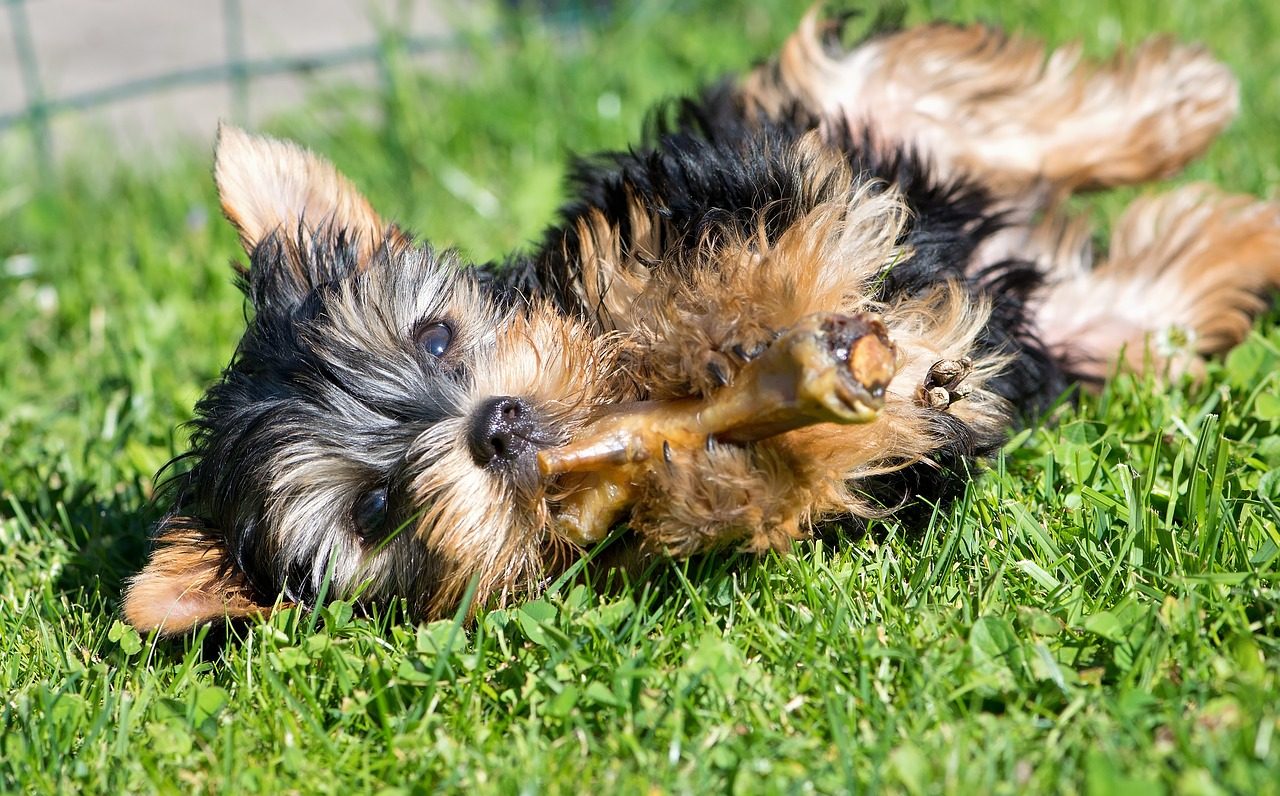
point(718, 368)
point(746, 353)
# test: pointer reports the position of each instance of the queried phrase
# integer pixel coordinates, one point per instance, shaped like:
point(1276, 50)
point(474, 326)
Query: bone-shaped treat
point(828, 368)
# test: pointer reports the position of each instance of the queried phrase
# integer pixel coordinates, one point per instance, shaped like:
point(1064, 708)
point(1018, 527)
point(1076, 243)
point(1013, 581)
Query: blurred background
point(142, 71)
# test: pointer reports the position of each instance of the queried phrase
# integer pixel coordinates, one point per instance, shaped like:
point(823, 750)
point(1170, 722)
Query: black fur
point(256, 407)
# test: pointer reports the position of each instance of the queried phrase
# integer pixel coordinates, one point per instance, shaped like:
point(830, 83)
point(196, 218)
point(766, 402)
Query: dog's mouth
point(828, 368)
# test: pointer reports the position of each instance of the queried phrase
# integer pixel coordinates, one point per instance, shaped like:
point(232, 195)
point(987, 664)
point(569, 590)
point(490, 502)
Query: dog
point(815, 295)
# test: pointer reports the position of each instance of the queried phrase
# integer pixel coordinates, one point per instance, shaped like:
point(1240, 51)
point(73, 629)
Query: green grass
point(1099, 614)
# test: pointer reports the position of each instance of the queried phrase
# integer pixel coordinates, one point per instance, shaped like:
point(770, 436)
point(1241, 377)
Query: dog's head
point(377, 427)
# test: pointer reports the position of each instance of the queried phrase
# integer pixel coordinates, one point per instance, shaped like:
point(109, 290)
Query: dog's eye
point(370, 512)
point(434, 338)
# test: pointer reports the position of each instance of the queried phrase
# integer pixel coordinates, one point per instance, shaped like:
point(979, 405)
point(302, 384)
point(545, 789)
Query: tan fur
point(1001, 108)
point(612, 279)
point(1187, 273)
point(188, 581)
point(268, 185)
point(722, 497)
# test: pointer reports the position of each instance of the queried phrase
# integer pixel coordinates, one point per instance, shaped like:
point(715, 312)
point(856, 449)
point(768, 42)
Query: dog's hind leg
point(1187, 274)
point(1001, 108)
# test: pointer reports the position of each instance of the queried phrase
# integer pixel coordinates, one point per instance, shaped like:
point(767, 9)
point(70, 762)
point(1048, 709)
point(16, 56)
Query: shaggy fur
point(380, 423)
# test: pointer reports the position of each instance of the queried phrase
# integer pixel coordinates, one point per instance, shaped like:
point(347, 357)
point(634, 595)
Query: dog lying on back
point(815, 296)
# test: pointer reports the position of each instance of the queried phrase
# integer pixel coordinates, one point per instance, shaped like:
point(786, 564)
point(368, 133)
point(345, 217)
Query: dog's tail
point(1187, 274)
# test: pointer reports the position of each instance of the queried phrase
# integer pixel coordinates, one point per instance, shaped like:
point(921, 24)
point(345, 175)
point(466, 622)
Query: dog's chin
point(521, 481)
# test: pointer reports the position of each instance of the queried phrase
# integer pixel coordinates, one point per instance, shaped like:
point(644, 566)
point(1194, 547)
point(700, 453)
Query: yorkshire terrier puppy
point(816, 295)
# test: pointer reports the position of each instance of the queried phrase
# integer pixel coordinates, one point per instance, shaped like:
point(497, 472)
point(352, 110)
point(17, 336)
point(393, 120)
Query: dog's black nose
point(503, 429)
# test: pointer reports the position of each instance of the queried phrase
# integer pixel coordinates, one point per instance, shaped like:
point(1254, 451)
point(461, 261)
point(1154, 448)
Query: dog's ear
point(266, 185)
point(189, 580)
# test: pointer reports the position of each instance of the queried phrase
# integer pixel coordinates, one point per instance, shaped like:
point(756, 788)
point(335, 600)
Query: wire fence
point(237, 70)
